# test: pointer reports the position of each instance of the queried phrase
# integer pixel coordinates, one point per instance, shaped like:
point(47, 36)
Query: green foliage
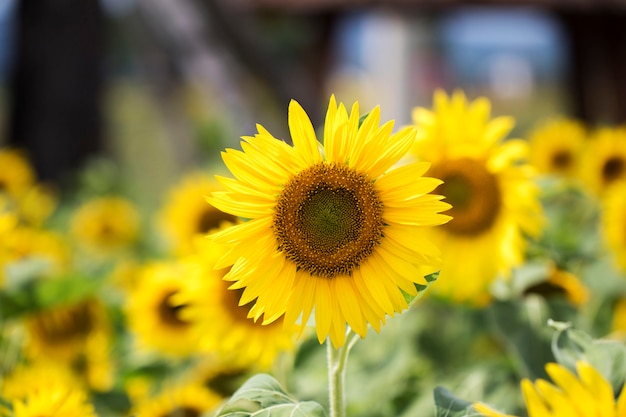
point(447, 405)
point(263, 396)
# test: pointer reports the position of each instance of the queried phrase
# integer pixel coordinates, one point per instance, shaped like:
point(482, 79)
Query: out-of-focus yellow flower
point(564, 283)
point(25, 243)
point(180, 400)
point(613, 223)
point(154, 314)
point(54, 401)
point(583, 395)
point(490, 187)
point(16, 175)
point(77, 335)
point(187, 215)
point(37, 204)
point(334, 230)
point(556, 147)
point(604, 159)
point(223, 323)
point(106, 224)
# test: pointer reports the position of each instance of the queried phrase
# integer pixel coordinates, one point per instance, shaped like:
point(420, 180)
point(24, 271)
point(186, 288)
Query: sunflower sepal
point(420, 288)
point(262, 395)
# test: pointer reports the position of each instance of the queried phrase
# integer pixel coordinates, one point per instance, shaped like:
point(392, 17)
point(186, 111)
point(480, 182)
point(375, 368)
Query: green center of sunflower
point(328, 219)
point(212, 218)
point(472, 191)
point(612, 169)
point(169, 312)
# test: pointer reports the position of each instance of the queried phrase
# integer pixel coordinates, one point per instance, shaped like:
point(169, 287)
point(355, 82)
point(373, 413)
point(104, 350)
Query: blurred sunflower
point(494, 200)
point(332, 229)
point(604, 159)
point(224, 323)
point(37, 204)
point(556, 147)
point(105, 224)
point(178, 401)
point(561, 283)
point(186, 213)
point(582, 395)
point(55, 400)
point(618, 325)
point(25, 243)
point(154, 314)
point(16, 175)
point(76, 335)
point(613, 223)
point(34, 376)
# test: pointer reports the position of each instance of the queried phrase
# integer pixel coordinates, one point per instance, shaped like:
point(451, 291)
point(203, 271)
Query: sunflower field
point(356, 268)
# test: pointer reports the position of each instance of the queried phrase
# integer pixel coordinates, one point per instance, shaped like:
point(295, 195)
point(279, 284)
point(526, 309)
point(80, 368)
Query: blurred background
point(156, 87)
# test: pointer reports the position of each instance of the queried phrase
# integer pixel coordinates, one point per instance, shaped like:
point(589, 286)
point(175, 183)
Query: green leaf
point(50, 292)
point(607, 356)
point(450, 406)
point(262, 396)
point(430, 279)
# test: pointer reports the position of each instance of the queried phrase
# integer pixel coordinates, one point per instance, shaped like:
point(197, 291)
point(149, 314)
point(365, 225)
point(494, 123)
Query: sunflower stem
point(337, 361)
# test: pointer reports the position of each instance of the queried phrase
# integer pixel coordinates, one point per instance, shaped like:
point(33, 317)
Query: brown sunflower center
point(184, 411)
point(211, 218)
point(328, 219)
point(612, 169)
point(169, 312)
point(472, 191)
point(65, 323)
point(561, 160)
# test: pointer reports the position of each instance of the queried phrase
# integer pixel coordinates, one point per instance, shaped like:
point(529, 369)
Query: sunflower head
point(154, 312)
point(186, 214)
point(332, 228)
point(604, 161)
point(106, 224)
point(585, 393)
point(488, 182)
point(561, 283)
point(17, 175)
point(556, 147)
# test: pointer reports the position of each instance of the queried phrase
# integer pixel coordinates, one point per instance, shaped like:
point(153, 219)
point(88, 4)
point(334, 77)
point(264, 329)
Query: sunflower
point(613, 223)
point(586, 394)
point(153, 312)
point(489, 185)
point(106, 224)
point(25, 243)
point(34, 376)
point(560, 282)
point(178, 401)
point(556, 147)
point(331, 229)
point(224, 324)
point(54, 400)
point(604, 159)
point(186, 214)
point(76, 335)
point(16, 175)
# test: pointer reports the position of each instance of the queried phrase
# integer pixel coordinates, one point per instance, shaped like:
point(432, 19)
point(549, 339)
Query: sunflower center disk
point(169, 313)
point(613, 169)
point(328, 219)
point(472, 191)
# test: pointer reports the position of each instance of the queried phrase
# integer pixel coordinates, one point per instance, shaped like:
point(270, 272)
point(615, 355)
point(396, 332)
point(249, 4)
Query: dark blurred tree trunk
point(598, 63)
point(54, 95)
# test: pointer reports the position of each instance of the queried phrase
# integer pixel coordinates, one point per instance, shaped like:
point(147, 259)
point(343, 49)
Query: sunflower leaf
point(430, 278)
point(263, 396)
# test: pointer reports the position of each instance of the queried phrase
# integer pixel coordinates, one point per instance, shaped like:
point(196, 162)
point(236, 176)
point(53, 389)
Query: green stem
point(337, 361)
